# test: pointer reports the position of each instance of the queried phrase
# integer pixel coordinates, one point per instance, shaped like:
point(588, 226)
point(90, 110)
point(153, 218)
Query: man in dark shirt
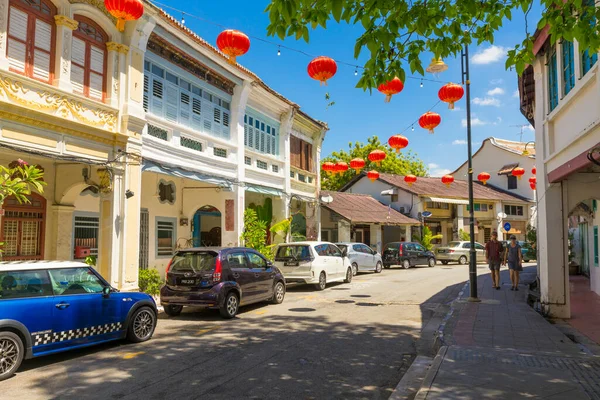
point(493, 254)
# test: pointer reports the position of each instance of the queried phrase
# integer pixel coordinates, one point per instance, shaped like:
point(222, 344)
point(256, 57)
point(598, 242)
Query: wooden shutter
point(42, 50)
point(96, 84)
point(17, 39)
point(78, 64)
point(310, 167)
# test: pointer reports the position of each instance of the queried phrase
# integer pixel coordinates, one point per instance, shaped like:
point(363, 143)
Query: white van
point(317, 263)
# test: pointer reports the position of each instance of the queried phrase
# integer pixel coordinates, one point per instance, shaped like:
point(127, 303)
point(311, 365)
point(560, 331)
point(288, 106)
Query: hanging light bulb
point(421, 82)
point(182, 19)
point(413, 128)
point(356, 71)
point(279, 50)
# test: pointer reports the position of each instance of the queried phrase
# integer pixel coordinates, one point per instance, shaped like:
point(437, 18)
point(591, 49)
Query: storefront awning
point(150, 166)
point(448, 201)
point(263, 190)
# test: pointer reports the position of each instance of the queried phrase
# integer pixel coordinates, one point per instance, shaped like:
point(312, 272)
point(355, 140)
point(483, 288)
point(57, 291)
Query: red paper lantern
point(410, 179)
point(483, 177)
point(124, 10)
point(533, 180)
point(341, 167)
point(534, 170)
point(357, 164)
point(451, 93)
point(328, 167)
point(430, 120)
point(373, 175)
point(233, 44)
point(447, 180)
point(377, 156)
point(398, 142)
point(533, 186)
point(391, 88)
point(322, 68)
point(518, 172)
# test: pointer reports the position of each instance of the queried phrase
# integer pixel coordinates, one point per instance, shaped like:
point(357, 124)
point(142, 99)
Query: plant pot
point(573, 268)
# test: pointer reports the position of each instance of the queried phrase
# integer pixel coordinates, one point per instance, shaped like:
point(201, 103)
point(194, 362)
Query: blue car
point(48, 306)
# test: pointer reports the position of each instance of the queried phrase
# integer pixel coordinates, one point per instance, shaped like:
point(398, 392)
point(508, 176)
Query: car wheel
point(431, 262)
point(387, 266)
point(173, 311)
point(378, 268)
point(462, 260)
point(142, 325)
point(445, 262)
point(349, 275)
point(230, 306)
point(354, 269)
point(406, 264)
point(11, 354)
point(278, 293)
point(322, 282)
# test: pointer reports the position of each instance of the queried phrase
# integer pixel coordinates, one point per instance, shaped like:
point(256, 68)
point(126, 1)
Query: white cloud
point(486, 101)
point(495, 91)
point(459, 142)
point(474, 122)
point(516, 94)
point(456, 109)
point(498, 121)
point(496, 81)
point(439, 172)
point(530, 128)
point(433, 165)
point(490, 55)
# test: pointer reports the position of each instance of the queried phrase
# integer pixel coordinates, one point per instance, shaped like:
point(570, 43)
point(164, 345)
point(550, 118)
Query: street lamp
point(464, 66)
point(525, 151)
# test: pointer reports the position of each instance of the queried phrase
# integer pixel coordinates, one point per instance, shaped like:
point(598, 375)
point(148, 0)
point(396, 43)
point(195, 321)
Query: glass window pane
point(69, 281)
point(257, 261)
point(172, 78)
point(237, 260)
point(158, 71)
point(24, 284)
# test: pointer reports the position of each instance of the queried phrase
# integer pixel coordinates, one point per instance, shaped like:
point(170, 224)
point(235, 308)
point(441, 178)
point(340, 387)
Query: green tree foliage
point(150, 282)
point(427, 238)
point(396, 33)
point(464, 236)
point(255, 234)
point(401, 163)
point(18, 179)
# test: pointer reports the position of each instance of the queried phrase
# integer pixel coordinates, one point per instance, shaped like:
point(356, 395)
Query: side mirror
point(106, 292)
point(269, 264)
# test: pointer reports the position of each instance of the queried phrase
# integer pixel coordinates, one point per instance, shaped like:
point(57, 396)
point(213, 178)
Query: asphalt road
point(349, 341)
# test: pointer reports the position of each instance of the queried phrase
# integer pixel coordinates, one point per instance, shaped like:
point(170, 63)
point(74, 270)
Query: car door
point(81, 313)
point(357, 256)
point(263, 275)
point(337, 260)
point(421, 254)
point(243, 275)
point(369, 256)
point(409, 252)
point(26, 297)
point(480, 252)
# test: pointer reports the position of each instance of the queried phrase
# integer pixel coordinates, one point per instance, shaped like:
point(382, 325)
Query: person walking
point(493, 257)
point(514, 257)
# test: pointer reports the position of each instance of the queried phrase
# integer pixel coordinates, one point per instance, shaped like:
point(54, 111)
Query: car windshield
point(292, 252)
point(453, 244)
point(193, 261)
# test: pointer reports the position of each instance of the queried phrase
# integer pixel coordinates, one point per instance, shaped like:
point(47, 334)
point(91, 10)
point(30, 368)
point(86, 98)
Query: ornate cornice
point(63, 20)
point(166, 50)
point(118, 47)
point(99, 4)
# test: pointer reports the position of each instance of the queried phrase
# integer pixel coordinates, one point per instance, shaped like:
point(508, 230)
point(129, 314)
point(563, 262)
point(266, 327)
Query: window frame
point(587, 61)
point(91, 271)
point(512, 183)
point(30, 41)
point(174, 191)
point(252, 265)
point(552, 80)
point(89, 42)
point(174, 237)
point(49, 289)
point(568, 66)
point(230, 254)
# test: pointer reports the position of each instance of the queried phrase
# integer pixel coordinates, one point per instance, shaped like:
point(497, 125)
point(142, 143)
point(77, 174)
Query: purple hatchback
point(220, 278)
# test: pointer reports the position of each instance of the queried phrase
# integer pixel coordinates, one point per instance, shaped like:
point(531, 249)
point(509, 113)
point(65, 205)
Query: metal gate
point(85, 232)
point(144, 237)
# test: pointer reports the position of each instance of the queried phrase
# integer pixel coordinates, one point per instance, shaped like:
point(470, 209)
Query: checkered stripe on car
point(57, 337)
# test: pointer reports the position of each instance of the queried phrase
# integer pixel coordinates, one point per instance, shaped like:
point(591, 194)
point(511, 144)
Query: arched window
point(30, 49)
point(88, 59)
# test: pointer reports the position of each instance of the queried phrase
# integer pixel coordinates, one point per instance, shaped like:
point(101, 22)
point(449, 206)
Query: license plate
point(187, 281)
point(441, 251)
point(291, 263)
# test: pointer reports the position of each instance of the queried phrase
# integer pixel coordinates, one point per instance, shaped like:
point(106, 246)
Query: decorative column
point(61, 237)
point(287, 123)
point(62, 60)
point(117, 56)
point(499, 221)
point(344, 231)
point(111, 229)
point(3, 34)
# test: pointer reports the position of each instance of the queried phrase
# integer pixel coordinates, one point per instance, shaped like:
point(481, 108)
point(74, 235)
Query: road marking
point(260, 312)
point(206, 330)
point(129, 356)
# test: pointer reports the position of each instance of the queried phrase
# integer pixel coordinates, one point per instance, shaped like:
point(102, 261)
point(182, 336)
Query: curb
point(439, 335)
point(412, 379)
point(431, 374)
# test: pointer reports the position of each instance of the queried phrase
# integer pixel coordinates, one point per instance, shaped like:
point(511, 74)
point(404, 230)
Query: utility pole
point(522, 127)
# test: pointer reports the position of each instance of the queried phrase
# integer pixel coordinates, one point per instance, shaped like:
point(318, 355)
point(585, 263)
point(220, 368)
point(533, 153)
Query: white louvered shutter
point(17, 48)
point(157, 97)
point(207, 109)
point(96, 73)
point(250, 136)
point(146, 89)
point(225, 123)
point(245, 134)
point(197, 113)
point(172, 100)
point(42, 49)
point(77, 64)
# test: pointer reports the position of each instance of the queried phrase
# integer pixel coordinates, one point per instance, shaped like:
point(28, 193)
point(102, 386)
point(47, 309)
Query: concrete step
point(412, 379)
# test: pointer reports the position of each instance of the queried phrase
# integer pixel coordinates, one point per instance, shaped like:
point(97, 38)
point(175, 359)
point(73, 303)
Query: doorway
point(585, 249)
point(206, 227)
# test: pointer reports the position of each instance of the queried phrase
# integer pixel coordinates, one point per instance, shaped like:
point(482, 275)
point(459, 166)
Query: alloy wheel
point(232, 305)
point(279, 292)
point(378, 267)
point(143, 324)
point(406, 264)
point(322, 281)
point(9, 355)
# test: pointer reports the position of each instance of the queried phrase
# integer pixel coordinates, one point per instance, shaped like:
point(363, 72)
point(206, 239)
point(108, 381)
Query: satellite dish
point(426, 214)
point(326, 199)
point(501, 215)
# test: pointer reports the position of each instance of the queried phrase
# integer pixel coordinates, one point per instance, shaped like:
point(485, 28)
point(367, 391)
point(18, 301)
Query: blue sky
point(357, 115)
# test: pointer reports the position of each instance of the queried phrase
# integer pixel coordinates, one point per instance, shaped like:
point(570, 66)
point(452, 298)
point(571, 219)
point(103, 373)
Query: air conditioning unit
point(402, 210)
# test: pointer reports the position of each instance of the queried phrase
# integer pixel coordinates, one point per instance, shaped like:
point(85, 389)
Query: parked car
point(220, 278)
point(459, 252)
point(406, 255)
point(49, 306)
point(317, 263)
point(362, 257)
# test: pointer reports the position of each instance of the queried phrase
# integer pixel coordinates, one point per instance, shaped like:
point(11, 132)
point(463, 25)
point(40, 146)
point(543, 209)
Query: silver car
point(459, 252)
point(362, 257)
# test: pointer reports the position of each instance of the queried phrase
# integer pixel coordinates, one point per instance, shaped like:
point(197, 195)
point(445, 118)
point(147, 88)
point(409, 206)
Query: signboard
point(507, 226)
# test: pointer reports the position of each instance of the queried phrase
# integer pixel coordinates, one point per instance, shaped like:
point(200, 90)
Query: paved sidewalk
point(501, 348)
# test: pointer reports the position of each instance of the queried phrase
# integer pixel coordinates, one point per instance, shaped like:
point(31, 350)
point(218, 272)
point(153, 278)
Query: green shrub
point(150, 281)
